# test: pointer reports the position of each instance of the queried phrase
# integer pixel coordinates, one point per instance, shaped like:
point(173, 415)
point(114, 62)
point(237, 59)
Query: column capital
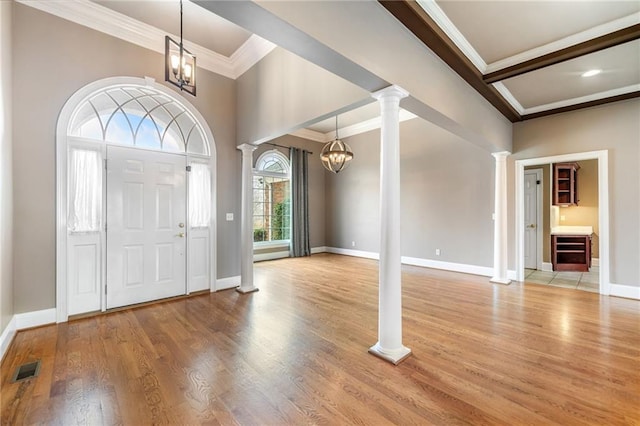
point(501, 154)
point(247, 147)
point(392, 91)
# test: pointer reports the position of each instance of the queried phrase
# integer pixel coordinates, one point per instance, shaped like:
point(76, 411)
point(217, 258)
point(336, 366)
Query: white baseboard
point(7, 337)
point(35, 318)
point(355, 253)
point(270, 256)
point(449, 266)
point(316, 250)
point(547, 267)
point(227, 283)
point(484, 271)
point(626, 291)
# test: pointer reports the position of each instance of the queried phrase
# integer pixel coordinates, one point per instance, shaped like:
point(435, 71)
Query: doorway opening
point(603, 211)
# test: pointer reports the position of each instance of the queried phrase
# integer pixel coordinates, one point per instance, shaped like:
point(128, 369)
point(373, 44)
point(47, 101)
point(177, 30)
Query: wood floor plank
point(296, 353)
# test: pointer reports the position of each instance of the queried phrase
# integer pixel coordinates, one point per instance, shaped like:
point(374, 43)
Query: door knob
point(181, 235)
point(531, 226)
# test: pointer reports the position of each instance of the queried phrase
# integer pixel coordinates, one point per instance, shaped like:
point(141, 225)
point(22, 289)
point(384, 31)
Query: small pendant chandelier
point(336, 154)
point(180, 64)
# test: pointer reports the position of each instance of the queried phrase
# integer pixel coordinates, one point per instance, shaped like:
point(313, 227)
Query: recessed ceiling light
point(591, 73)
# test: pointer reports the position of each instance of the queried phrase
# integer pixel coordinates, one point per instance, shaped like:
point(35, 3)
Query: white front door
point(146, 212)
point(530, 219)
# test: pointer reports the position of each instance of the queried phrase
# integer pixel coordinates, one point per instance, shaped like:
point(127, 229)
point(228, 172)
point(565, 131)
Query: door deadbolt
point(181, 225)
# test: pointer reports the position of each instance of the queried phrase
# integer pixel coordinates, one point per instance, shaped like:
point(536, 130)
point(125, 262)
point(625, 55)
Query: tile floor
point(587, 281)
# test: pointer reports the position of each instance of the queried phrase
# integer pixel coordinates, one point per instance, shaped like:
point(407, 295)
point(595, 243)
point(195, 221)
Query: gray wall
point(614, 127)
point(53, 58)
point(446, 198)
point(283, 91)
point(6, 181)
point(316, 182)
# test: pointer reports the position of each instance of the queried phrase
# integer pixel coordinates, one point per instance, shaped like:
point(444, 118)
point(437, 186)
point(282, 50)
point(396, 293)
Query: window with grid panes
point(271, 198)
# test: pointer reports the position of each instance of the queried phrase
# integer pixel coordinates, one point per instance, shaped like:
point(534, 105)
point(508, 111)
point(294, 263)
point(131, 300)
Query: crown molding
point(443, 21)
point(508, 96)
point(614, 93)
point(564, 43)
point(347, 131)
point(115, 24)
point(309, 134)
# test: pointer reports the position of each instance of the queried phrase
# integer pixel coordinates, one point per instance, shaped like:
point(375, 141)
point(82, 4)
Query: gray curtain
point(299, 203)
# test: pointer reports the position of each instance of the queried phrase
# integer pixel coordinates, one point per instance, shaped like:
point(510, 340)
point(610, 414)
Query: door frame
point(539, 217)
point(62, 144)
point(603, 208)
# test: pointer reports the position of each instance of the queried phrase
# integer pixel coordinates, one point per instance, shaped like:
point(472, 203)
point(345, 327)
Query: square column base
point(503, 281)
point(247, 290)
point(394, 357)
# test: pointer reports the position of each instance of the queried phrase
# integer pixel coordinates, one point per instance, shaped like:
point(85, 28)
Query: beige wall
point(6, 180)
point(283, 91)
point(613, 127)
point(53, 58)
point(316, 184)
point(446, 198)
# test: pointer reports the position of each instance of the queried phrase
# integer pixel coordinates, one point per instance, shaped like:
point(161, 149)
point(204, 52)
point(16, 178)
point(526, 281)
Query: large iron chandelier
point(336, 154)
point(180, 64)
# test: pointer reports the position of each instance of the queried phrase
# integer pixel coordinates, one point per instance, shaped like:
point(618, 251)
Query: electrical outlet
point(562, 218)
point(353, 243)
point(437, 252)
point(229, 217)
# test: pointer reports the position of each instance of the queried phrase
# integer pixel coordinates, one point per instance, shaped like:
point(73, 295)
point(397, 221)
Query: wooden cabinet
point(571, 252)
point(565, 184)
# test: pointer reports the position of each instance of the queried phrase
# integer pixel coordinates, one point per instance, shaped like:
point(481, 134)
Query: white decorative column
point(500, 220)
point(389, 346)
point(246, 221)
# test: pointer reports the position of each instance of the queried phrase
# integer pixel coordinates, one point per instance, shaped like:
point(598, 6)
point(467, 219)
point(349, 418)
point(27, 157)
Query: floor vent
point(26, 371)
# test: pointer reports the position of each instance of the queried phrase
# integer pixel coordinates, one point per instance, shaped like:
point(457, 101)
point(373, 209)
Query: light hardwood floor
point(296, 353)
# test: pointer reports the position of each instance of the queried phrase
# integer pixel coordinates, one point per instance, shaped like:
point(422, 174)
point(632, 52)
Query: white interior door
point(146, 212)
point(530, 219)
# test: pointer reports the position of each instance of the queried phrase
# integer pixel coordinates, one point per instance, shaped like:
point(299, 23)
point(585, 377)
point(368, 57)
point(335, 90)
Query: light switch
point(229, 217)
point(562, 218)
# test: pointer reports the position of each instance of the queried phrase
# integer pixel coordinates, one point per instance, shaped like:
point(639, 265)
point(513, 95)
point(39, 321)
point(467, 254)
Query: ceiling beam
point(590, 46)
point(610, 99)
point(412, 16)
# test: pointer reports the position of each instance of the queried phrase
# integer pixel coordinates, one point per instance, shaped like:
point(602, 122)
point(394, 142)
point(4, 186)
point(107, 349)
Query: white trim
point(485, 271)
point(309, 134)
point(352, 130)
point(251, 51)
point(270, 256)
point(115, 24)
point(582, 99)
point(508, 96)
point(7, 337)
point(565, 42)
point(547, 267)
point(227, 283)
point(355, 253)
point(271, 244)
point(35, 318)
point(627, 291)
point(603, 207)
point(316, 250)
point(62, 137)
point(445, 24)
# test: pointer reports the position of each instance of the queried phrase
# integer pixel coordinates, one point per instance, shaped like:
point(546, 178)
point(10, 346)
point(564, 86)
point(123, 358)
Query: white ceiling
point(498, 34)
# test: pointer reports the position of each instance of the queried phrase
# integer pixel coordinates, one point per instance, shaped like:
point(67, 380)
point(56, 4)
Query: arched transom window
point(139, 116)
point(271, 198)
